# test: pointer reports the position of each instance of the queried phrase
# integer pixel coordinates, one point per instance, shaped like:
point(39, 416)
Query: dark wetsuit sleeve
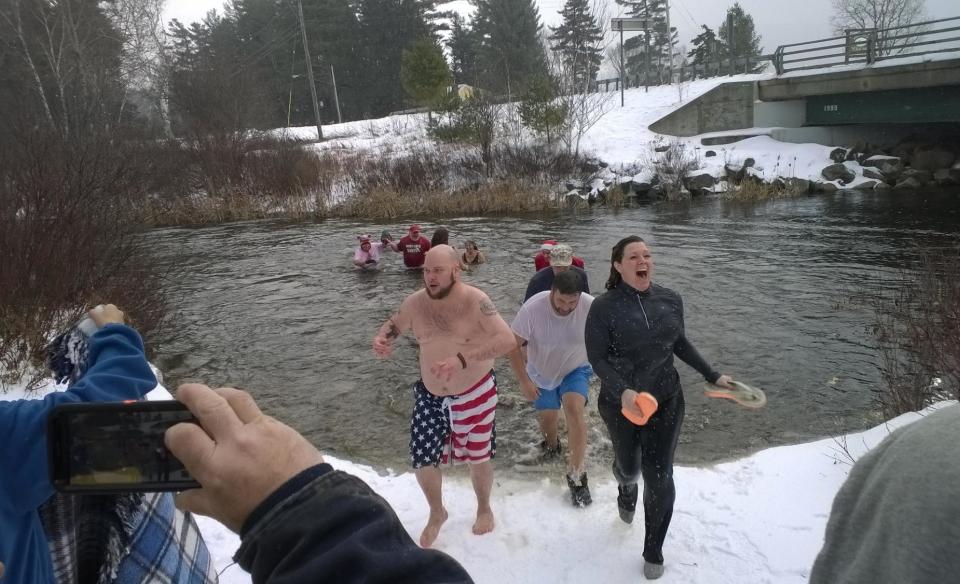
point(335, 528)
point(684, 349)
point(586, 282)
point(597, 339)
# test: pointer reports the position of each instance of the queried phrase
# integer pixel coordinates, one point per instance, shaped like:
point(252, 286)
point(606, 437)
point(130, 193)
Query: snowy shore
point(757, 520)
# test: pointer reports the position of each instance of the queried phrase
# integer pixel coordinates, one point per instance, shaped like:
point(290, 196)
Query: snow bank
point(759, 519)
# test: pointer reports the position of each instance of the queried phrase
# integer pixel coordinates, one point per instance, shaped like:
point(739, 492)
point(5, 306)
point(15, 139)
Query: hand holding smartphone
point(115, 447)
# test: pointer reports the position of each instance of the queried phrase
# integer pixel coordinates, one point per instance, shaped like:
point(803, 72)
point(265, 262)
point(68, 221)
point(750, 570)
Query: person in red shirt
point(542, 259)
point(414, 247)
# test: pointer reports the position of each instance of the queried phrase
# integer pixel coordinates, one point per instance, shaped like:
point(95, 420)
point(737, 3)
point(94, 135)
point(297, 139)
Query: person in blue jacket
point(118, 371)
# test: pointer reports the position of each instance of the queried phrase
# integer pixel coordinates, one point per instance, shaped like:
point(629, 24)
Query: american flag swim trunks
point(454, 429)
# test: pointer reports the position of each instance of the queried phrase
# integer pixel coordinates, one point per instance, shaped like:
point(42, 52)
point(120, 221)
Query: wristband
point(463, 361)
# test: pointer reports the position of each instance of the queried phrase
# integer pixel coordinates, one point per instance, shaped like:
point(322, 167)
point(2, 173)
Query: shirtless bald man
point(460, 333)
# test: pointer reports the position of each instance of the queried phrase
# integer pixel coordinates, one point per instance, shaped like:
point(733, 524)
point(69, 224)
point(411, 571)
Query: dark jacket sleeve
point(118, 371)
point(684, 349)
point(586, 282)
point(597, 339)
point(335, 528)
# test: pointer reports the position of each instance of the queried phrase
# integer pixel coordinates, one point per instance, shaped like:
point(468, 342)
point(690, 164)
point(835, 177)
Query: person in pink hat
point(367, 254)
point(414, 247)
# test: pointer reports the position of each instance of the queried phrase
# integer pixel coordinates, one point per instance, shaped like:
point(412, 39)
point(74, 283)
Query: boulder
point(733, 173)
point(908, 184)
point(699, 181)
point(827, 187)
point(838, 172)
point(882, 186)
point(710, 153)
point(924, 177)
point(873, 173)
point(838, 155)
point(749, 163)
point(574, 198)
point(932, 158)
point(574, 184)
point(662, 148)
point(904, 151)
point(947, 177)
point(641, 188)
point(890, 166)
point(867, 185)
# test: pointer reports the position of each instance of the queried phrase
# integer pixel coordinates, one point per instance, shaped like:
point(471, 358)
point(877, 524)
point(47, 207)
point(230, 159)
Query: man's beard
point(441, 293)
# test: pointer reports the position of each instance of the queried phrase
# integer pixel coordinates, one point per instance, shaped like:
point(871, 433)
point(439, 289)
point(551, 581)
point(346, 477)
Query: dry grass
point(751, 189)
point(499, 197)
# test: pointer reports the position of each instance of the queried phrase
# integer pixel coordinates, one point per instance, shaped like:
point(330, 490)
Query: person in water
point(472, 255)
point(368, 253)
point(459, 333)
point(440, 237)
point(633, 330)
point(414, 247)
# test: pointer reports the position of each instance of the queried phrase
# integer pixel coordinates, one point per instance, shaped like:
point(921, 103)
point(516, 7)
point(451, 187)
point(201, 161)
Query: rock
point(890, 166)
point(641, 188)
point(838, 172)
point(826, 187)
point(867, 185)
point(838, 155)
point(699, 182)
point(924, 177)
point(656, 192)
point(932, 158)
point(947, 177)
point(710, 153)
point(904, 151)
point(749, 162)
point(603, 164)
point(597, 185)
point(873, 173)
point(663, 148)
point(882, 186)
point(908, 184)
point(733, 173)
point(574, 184)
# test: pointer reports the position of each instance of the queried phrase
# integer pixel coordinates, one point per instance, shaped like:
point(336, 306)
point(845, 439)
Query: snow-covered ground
point(622, 138)
point(758, 520)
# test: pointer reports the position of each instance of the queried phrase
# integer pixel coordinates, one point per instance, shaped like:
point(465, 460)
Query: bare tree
point(881, 15)
point(583, 108)
point(613, 57)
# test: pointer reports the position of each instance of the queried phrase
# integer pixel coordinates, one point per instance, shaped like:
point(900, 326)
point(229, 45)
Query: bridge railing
point(868, 46)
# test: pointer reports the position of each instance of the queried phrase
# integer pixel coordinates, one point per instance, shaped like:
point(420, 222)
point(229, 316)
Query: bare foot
point(484, 522)
point(432, 530)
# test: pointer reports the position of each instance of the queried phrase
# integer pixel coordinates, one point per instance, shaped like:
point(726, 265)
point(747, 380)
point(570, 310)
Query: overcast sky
point(778, 21)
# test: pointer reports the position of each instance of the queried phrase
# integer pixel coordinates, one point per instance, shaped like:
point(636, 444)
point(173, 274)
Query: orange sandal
point(647, 404)
point(745, 395)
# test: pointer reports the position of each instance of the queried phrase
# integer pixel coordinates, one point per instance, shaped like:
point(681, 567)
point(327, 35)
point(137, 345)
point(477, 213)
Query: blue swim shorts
point(577, 381)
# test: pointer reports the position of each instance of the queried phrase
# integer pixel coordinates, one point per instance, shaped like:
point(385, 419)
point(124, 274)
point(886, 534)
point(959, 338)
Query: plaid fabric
point(124, 539)
point(166, 547)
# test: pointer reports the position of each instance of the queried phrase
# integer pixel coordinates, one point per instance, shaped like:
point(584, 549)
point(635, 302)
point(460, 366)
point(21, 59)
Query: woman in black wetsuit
point(632, 333)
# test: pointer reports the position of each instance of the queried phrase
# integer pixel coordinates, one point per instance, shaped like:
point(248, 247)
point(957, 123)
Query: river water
point(277, 308)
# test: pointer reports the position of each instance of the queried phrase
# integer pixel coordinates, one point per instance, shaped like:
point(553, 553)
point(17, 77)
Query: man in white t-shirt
point(556, 371)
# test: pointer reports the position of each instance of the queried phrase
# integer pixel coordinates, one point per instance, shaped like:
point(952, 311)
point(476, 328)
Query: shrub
point(70, 237)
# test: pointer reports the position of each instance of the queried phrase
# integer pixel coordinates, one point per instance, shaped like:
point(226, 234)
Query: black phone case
point(58, 451)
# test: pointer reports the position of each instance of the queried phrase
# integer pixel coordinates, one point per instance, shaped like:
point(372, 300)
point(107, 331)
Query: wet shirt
point(414, 250)
point(556, 342)
point(366, 256)
point(631, 338)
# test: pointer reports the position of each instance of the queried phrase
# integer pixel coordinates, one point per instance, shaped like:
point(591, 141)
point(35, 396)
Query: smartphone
point(115, 447)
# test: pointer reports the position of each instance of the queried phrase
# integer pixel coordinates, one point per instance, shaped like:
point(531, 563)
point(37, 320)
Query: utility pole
point(313, 87)
point(336, 97)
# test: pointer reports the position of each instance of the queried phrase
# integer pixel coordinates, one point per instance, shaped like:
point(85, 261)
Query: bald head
point(442, 255)
point(441, 271)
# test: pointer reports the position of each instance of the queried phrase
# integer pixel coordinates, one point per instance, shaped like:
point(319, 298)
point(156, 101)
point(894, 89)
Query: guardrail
point(683, 73)
point(869, 46)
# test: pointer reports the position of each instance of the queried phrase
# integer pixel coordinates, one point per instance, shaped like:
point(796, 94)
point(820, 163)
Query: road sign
point(626, 24)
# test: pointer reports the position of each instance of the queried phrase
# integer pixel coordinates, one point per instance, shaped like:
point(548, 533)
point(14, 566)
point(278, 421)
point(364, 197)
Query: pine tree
point(425, 74)
point(509, 52)
point(578, 40)
point(387, 28)
point(651, 47)
point(463, 51)
point(706, 49)
point(745, 41)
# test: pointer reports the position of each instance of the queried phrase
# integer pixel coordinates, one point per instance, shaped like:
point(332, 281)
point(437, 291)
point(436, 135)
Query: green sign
point(928, 104)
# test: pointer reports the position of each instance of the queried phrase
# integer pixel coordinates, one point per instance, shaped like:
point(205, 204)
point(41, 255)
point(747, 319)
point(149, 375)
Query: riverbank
point(759, 519)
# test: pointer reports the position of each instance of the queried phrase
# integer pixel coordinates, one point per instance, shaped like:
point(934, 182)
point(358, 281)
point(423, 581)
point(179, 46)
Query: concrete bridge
point(875, 99)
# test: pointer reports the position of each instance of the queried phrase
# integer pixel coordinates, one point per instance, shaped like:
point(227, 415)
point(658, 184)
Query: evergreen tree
point(652, 47)
point(706, 48)
point(509, 53)
point(540, 111)
point(745, 41)
point(387, 28)
point(463, 51)
point(425, 74)
point(578, 40)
